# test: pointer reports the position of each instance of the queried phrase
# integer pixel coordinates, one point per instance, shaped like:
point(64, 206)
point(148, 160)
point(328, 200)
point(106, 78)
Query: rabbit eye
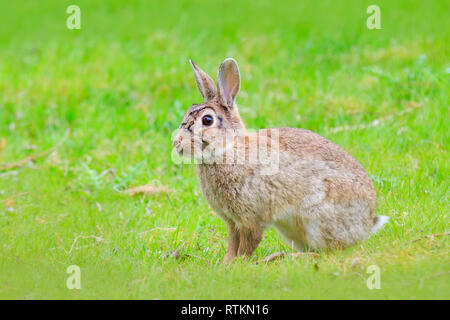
point(207, 120)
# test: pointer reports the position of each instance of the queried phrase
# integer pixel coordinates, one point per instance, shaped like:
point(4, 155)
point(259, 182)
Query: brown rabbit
point(314, 193)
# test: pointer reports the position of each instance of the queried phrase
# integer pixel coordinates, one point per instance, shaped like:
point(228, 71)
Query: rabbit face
point(208, 129)
point(205, 133)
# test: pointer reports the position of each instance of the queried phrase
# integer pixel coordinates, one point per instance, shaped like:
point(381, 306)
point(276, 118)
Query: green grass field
point(103, 102)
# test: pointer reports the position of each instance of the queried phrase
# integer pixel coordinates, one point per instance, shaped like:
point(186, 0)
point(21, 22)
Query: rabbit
point(320, 198)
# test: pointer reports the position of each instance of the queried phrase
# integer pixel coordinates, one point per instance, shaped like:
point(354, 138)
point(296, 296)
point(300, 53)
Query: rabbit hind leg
point(293, 231)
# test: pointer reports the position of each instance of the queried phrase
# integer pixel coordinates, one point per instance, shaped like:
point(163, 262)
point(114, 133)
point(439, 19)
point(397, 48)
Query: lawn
point(86, 114)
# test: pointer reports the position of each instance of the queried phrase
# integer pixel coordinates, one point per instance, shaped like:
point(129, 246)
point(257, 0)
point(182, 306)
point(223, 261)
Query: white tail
point(380, 221)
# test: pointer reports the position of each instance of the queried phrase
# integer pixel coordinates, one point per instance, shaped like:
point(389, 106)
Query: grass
point(118, 88)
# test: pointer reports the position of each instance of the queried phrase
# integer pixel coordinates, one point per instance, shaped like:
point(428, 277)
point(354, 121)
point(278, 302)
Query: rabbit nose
point(177, 140)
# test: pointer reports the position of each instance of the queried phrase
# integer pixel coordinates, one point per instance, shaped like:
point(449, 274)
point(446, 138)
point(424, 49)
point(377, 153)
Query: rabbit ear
point(204, 82)
point(228, 82)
